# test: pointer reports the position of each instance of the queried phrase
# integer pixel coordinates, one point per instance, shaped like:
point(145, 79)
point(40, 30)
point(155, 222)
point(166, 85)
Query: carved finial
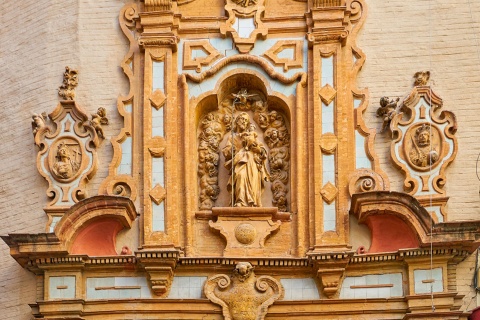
point(70, 81)
point(243, 296)
point(38, 122)
point(99, 119)
point(421, 78)
point(388, 109)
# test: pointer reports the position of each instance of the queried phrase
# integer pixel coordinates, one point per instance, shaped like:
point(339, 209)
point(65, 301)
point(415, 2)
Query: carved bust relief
point(423, 146)
point(67, 159)
point(243, 147)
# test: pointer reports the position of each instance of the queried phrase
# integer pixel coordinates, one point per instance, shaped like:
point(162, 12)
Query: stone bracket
point(331, 271)
point(160, 266)
point(244, 229)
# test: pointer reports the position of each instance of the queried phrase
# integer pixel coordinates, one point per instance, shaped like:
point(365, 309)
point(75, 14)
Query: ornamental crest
point(424, 145)
point(243, 296)
point(67, 140)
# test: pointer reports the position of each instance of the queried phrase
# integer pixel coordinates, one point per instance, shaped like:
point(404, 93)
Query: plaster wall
point(38, 40)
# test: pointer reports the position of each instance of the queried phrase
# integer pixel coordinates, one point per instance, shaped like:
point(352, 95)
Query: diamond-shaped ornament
point(157, 194)
point(329, 192)
point(157, 98)
point(327, 93)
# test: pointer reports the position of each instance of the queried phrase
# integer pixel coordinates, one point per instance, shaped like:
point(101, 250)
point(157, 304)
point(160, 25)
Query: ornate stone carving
point(240, 11)
point(117, 183)
point(99, 119)
point(421, 78)
point(210, 137)
point(67, 157)
point(240, 121)
point(424, 145)
point(245, 159)
point(388, 109)
point(160, 266)
point(245, 229)
point(65, 163)
point(365, 180)
point(295, 61)
point(422, 142)
point(39, 121)
point(191, 62)
point(243, 296)
point(70, 81)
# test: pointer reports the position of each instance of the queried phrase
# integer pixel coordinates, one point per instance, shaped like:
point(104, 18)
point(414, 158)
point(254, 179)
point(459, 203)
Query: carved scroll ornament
point(243, 296)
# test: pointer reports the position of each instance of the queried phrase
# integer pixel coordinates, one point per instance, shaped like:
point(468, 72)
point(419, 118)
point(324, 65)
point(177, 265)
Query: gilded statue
point(65, 165)
point(388, 109)
point(423, 154)
point(245, 159)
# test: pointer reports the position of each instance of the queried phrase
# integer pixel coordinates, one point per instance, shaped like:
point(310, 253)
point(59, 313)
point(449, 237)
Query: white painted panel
point(125, 166)
point(158, 76)
point(187, 287)
point(328, 169)
point(157, 122)
point(158, 172)
point(328, 118)
point(423, 277)
point(287, 53)
point(118, 288)
point(300, 289)
point(327, 71)
point(361, 159)
point(158, 216)
point(384, 286)
point(62, 287)
point(244, 26)
point(329, 217)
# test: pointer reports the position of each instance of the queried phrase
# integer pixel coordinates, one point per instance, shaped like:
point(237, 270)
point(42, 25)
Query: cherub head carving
point(242, 271)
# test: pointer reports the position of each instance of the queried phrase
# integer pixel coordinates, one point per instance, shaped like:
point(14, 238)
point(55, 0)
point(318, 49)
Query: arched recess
point(396, 220)
point(90, 226)
point(269, 112)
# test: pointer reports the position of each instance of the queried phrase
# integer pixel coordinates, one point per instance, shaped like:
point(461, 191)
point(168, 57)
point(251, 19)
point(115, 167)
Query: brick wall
point(38, 40)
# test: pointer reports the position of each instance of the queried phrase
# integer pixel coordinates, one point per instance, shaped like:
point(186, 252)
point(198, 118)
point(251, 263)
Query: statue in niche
point(212, 130)
point(245, 159)
point(65, 165)
point(388, 110)
point(423, 154)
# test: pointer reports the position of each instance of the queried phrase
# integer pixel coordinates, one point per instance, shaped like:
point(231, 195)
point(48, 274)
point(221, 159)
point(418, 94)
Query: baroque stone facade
point(244, 171)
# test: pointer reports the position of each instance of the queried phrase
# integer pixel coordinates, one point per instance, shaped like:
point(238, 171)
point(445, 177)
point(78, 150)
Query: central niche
point(243, 146)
